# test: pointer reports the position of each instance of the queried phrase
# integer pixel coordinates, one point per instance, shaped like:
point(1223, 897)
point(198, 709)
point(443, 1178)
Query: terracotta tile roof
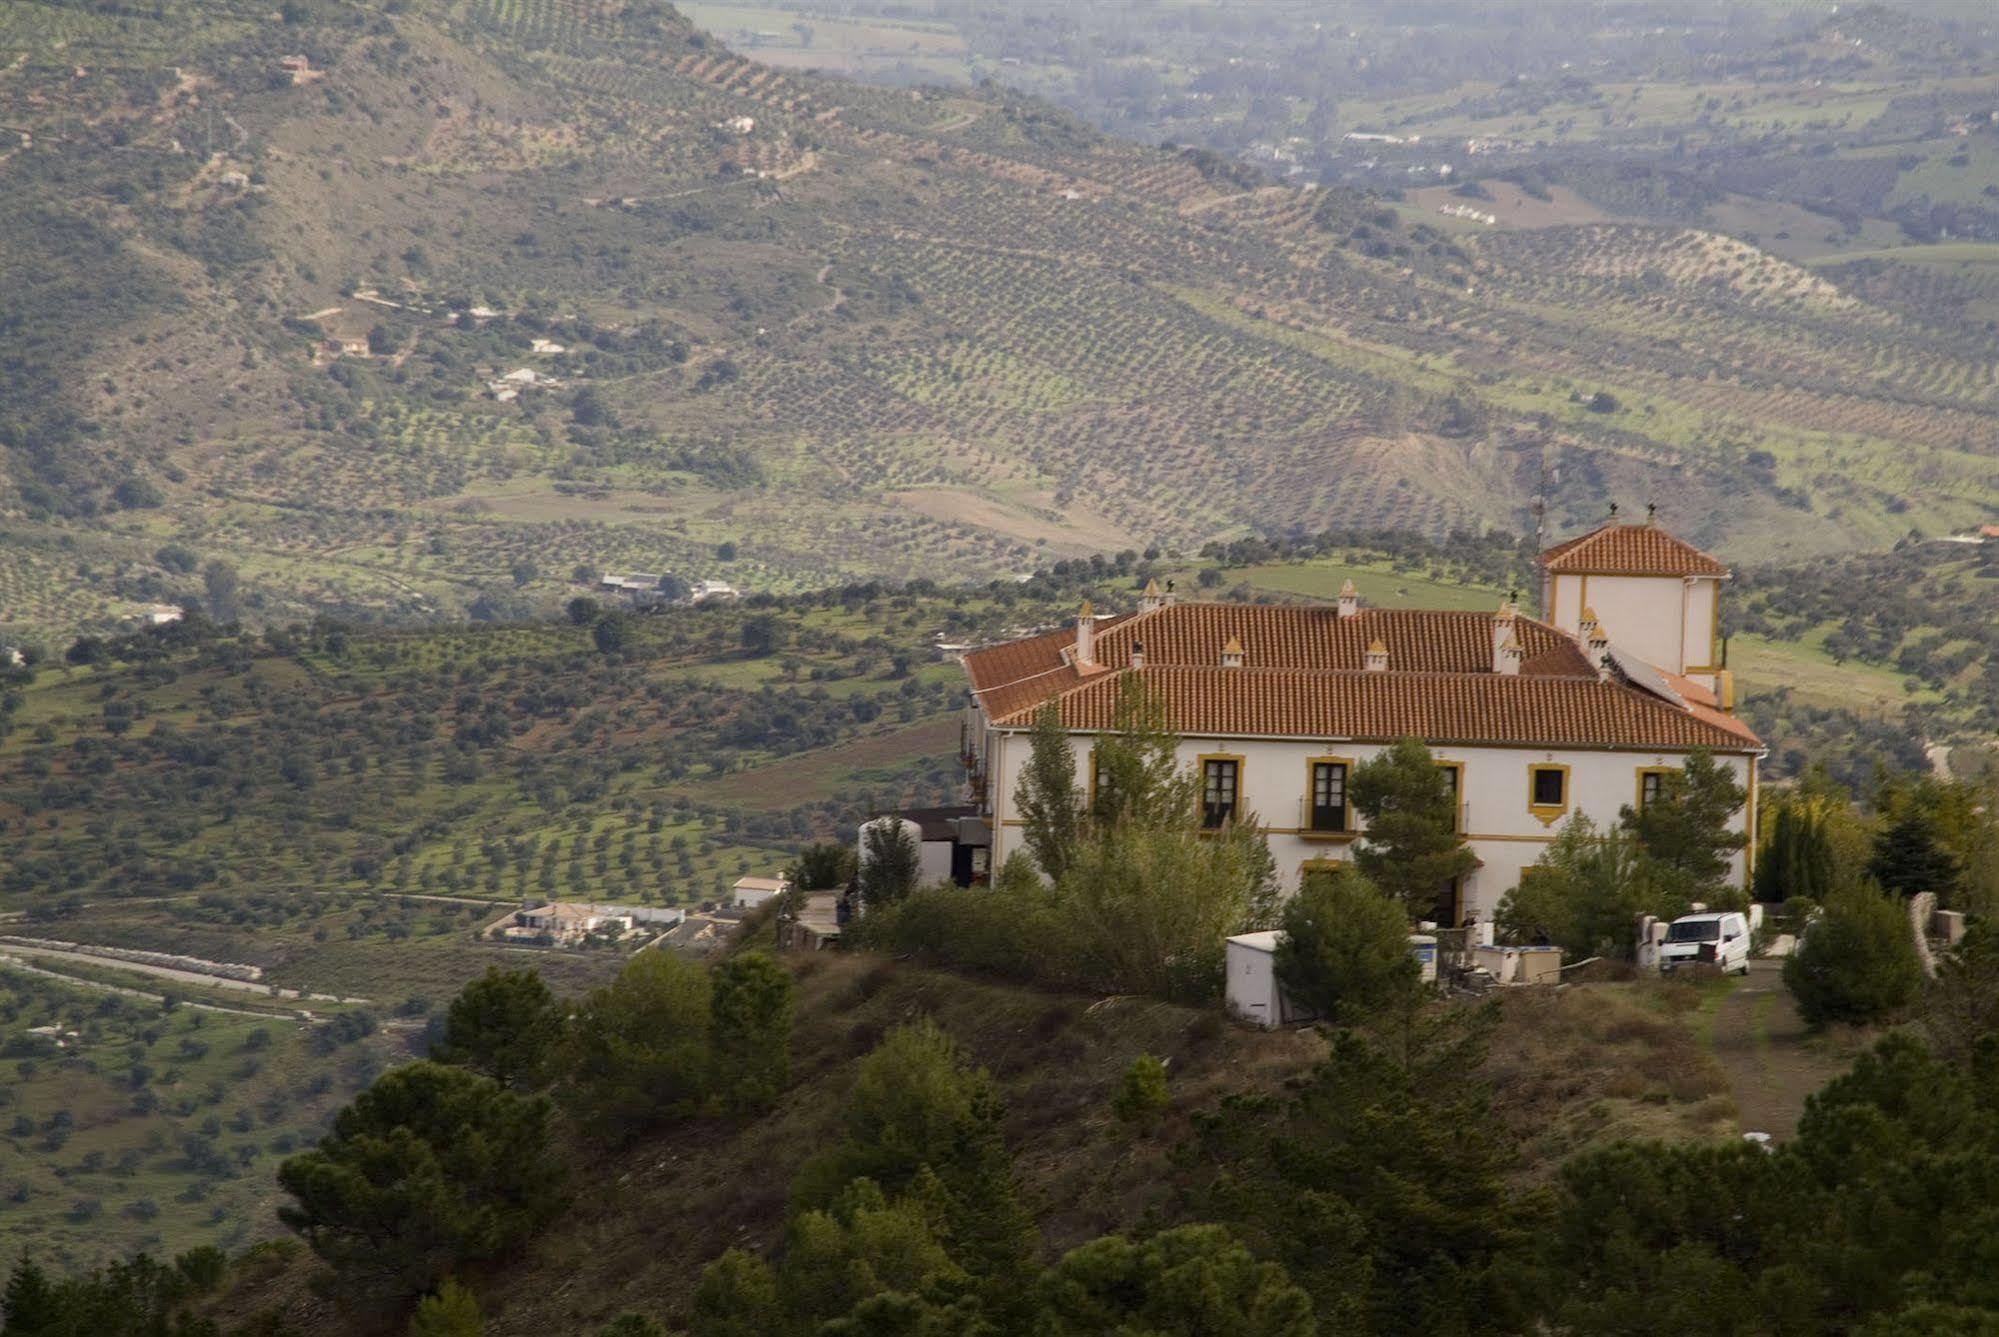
point(1317, 638)
point(1016, 674)
point(1438, 707)
point(1630, 550)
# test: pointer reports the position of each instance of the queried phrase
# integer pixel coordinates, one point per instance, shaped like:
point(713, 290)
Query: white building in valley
point(1276, 704)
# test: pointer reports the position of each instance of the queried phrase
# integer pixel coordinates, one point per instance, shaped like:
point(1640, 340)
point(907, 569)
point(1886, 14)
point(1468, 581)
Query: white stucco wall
point(1499, 825)
point(1664, 620)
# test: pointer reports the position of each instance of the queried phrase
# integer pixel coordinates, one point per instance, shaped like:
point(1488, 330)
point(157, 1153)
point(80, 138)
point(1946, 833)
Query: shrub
point(451, 1312)
point(641, 1047)
point(1195, 1279)
point(1857, 961)
point(1141, 1092)
point(1585, 892)
point(1345, 950)
point(750, 1029)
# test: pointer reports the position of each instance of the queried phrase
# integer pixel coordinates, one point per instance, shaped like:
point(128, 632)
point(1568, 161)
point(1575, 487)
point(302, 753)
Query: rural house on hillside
point(1275, 705)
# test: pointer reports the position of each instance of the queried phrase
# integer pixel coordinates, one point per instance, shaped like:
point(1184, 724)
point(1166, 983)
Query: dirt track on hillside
point(1772, 1059)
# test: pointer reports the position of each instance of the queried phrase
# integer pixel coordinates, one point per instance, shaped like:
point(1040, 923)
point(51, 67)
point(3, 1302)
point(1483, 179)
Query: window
point(1454, 785)
point(1103, 792)
point(1694, 930)
point(1221, 780)
point(1329, 796)
point(1547, 791)
point(1651, 784)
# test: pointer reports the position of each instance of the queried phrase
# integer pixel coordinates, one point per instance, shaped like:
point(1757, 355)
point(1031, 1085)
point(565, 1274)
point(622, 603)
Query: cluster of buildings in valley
point(578, 924)
point(648, 587)
point(1580, 709)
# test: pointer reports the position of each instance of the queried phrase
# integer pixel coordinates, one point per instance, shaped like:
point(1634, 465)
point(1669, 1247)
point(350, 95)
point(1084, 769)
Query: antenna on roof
point(1613, 510)
point(1651, 512)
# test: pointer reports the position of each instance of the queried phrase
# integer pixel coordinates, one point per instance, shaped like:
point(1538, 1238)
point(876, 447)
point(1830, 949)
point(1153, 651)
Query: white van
point(1719, 939)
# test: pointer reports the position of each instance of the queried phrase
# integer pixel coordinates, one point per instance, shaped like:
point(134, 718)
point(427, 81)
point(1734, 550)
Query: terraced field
point(501, 291)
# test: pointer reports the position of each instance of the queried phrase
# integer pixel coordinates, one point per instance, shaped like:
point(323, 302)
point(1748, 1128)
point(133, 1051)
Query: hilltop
point(783, 329)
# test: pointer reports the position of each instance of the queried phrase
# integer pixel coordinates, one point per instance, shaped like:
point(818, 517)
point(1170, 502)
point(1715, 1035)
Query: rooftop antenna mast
point(1550, 474)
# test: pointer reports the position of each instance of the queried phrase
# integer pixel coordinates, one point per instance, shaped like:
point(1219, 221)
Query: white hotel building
point(1276, 704)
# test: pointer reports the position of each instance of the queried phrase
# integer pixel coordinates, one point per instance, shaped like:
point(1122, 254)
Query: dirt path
point(169, 973)
point(1772, 1060)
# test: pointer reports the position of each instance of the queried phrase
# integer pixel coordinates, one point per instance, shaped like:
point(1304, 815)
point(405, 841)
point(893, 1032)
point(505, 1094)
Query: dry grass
point(1579, 1066)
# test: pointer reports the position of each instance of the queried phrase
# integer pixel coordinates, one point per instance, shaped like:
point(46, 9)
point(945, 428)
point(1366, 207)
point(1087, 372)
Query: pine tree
point(1412, 848)
point(1685, 829)
point(1908, 857)
point(1047, 797)
point(505, 1024)
point(30, 1301)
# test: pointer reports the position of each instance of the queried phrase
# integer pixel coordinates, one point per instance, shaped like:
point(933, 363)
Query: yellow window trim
point(1313, 833)
point(1458, 793)
point(1201, 769)
point(1547, 813)
point(1638, 792)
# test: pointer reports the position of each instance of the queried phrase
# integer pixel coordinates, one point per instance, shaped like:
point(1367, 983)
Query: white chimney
point(1152, 599)
point(1377, 658)
point(1502, 632)
point(1597, 643)
point(1510, 654)
point(1232, 654)
point(1138, 654)
point(1086, 636)
point(1349, 599)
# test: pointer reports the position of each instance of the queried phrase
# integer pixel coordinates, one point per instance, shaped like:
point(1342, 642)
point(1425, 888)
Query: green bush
point(750, 1030)
point(1345, 952)
point(1585, 893)
point(640, 1048)
point(1141, 1092)
point(1857, 961)
point(451, 1312)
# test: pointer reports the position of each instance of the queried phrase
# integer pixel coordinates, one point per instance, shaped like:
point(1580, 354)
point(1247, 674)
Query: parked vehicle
point(1719, 939)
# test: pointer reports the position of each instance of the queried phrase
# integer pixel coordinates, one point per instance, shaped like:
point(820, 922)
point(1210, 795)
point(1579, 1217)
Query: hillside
point(340, 808)
point(645, 1218)
point(784, 329)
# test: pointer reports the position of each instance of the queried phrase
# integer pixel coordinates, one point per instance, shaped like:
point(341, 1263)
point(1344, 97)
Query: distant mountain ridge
point(406, 310)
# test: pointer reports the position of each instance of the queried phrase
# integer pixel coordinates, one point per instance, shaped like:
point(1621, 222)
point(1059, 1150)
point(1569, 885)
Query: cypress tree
point(1798, 858)
point(1047, 795)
